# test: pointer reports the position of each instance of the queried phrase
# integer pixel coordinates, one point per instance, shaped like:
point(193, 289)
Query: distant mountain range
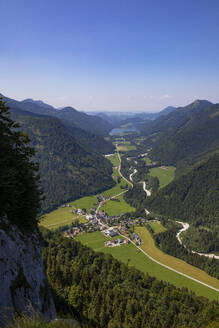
point(88, 130)
point(118, 118)
point(185, 133)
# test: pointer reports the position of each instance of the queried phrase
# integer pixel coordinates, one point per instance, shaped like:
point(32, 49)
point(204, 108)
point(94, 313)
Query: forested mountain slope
point(101, 292)
point(186, 132)
point(89, 130)
point(68, 169)
point(192, 197)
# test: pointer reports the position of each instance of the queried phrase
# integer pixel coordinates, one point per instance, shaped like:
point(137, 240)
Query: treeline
point(192, 197)
point(169, 244)
point(20, 195)
point(202, 239)
point(102, 292)
point(135, 196)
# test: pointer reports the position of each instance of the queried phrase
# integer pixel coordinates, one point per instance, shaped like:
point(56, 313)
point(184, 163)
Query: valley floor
point(146, 257)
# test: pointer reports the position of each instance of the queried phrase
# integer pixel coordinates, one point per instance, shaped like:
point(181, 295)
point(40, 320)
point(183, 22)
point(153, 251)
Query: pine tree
point(20, 195)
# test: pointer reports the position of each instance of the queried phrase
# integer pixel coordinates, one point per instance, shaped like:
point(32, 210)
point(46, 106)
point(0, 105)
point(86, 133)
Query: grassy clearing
point(60, 217)
point(147, 160)
point(116, 189)
point(177, 264)
point(114, 160)
point(165, 176)
point(157, 227)
point(117, 207)
point(64, 216)
point(131, 256)
point(95, 240)
point(125, 146)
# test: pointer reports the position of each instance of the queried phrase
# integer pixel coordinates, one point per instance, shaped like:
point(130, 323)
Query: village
point(117, 229)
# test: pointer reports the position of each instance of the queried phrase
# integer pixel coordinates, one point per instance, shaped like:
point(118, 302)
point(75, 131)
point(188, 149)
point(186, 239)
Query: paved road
point(146, 254)
point(119, 170)
point(148, 192)
point(186, 227)
point(131, 175)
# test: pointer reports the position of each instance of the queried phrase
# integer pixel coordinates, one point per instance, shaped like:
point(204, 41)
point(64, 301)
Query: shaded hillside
point(86, 129)
point(184, 133)
point(192, 197)
point(68, 169)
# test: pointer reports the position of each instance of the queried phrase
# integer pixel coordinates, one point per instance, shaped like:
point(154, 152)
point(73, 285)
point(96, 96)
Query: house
point(135, 236)
point(111, 232)
point(89, 217)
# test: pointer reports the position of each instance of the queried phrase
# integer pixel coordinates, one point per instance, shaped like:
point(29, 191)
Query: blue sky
point(131, 55)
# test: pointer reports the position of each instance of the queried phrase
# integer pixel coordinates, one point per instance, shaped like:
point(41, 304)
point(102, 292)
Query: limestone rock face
point(23, 283)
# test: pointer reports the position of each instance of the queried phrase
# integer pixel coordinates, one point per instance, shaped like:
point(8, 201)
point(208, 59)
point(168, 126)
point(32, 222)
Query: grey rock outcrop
point(23, 283)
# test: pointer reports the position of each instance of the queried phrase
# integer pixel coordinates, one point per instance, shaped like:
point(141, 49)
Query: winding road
point(131, 175)
point(186, 227)
point(148, 192)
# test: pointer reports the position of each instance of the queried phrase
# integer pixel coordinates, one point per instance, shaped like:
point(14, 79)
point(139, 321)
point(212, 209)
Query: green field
point(157, 227)
point(179, 265)
point(165, 176)
point(95, 240)
point(116, 208)
point(126, 146)
point(130, 255)
point(114, 160)
point(60, 217)
point(147, 160)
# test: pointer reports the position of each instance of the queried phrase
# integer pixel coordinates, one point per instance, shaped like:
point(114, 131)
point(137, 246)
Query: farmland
point(164, 174)
point(157, 227)
point(129, 254)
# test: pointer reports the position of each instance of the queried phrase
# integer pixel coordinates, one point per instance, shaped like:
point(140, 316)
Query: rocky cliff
point(23, 283)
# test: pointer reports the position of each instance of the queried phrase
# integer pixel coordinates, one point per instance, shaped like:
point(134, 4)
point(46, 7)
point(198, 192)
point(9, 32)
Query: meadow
point(64, 216)
point(130, 255)
point(165, 176)
point(95, 240)
point(114, 160)
point(125, 146)
point(113, 207)
point(60, 217)
point(149, 247)
point(147, 160)
point(157, 227)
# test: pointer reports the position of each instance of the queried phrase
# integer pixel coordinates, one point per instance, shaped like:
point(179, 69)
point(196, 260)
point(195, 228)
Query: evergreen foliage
point(192, 197)
point(102, 292)
point(68, 169)
point(169, 244)
point(185, 133)
point(19, 192)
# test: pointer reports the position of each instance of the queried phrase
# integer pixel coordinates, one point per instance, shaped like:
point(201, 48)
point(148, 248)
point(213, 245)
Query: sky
point(110, 55)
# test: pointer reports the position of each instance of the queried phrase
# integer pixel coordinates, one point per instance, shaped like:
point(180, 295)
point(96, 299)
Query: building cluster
point(78, 211)
point(116, 242)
